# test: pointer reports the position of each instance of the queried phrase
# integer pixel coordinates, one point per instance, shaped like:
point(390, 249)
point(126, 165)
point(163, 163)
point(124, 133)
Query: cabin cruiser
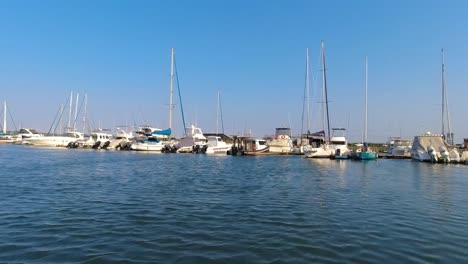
point(433, 148)
point(121, 140)
point(99, 139)
point(193, 142)
point(155, 140)
point(249, 146)
point(255, 146)
point(216, 145)
point(26, 133)
point(399, 147)
point(54, 141)
point(282, 142)
point(148, 144)
point(339, 144)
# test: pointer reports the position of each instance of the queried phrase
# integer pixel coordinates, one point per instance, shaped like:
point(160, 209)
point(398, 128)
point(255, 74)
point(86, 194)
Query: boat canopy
point(165, 132)
point(423, 142)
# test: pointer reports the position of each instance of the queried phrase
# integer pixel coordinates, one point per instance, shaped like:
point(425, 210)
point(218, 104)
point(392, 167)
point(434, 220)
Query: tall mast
point(308, 90)
point(217, 114)
point(443, 93)
point(171, 106)
point(85, 112)
point(365, 108)
point(4, 117)
point(445, 108)
point(70, 109)
point(324, 94)
point(76, 110)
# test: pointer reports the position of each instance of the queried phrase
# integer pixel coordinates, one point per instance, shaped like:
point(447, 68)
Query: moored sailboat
point(365, 153)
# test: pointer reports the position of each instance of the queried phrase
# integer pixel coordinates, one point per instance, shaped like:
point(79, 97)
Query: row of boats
point(427, 147)
point(145, 138)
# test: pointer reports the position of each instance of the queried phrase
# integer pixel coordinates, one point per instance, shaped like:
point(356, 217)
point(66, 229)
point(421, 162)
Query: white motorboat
point(148, 144)
point(54, 141)
point(339, 144)
point(26, 133)
point(121, 139)
point(255, 146)
point(153, 139)
point(194, 141)
point(99, 139)
point(399, 147)
point(216, 145)
point(282, 142)
point(433, 148)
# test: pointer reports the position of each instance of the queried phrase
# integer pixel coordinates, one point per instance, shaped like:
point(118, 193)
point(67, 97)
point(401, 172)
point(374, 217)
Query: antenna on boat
point(171, 105)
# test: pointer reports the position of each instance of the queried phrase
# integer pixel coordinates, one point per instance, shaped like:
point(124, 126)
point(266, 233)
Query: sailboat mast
point(85, 112)
point(443, 93)
point(365, 107)
point(217, 114)
point(171, 106)
point(76, 110)
point(445, 103)
point(308, 90)
point(70, 109)
point(324, 94)
point(4, 117)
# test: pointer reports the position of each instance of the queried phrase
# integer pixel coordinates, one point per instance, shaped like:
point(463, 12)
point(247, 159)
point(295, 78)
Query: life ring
point(282, 137)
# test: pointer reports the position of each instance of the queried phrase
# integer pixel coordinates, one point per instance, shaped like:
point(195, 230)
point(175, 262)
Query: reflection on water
point(103, 206)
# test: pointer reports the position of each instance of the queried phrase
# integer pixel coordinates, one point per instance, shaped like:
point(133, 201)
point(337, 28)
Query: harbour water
point(59, 205)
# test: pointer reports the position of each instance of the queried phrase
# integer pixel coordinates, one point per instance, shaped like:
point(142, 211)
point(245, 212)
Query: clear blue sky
point(252, 51)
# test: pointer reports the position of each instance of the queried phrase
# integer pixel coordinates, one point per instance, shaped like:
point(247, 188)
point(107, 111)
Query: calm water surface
point(100, 207)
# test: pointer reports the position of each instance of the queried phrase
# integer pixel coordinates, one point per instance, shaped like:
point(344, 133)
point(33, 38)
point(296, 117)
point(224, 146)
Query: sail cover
point(165, 132)
point(421, 143)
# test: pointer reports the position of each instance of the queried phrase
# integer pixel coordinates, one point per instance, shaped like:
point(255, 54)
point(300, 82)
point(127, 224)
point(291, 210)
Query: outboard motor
point(106, 144)
point(445, 154)
point(433, 154)
point(195, 148)
point(96, 145)
point(203, 149)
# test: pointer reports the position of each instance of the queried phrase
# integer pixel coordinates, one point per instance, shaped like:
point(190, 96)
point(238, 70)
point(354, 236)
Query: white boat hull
point(218, 150)
point(147, 147)
point(53, 141)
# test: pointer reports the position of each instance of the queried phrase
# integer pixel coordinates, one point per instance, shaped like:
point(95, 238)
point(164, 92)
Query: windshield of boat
point(262, 142)
point(338, 142)
point(402, 143)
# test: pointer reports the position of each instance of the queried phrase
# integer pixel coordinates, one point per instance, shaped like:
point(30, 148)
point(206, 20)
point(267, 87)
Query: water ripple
point(97, 207)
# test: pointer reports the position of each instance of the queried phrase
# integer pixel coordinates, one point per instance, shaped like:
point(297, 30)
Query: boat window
point(33, 131)
point(219, 139)
point(338, 142)
point(262, 142)
point(23, 131)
